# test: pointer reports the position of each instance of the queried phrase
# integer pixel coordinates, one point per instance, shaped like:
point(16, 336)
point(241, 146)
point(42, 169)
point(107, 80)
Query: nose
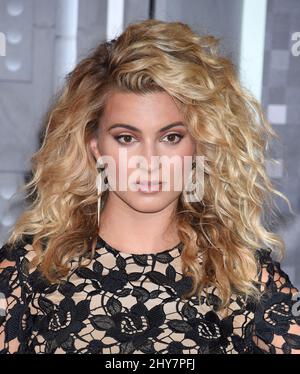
point(150, 160)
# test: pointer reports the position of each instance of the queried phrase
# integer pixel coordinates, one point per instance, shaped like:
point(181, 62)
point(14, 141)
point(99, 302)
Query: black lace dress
point(126, 303)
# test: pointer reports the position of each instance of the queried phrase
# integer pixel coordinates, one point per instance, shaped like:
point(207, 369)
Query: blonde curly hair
point(229, 128)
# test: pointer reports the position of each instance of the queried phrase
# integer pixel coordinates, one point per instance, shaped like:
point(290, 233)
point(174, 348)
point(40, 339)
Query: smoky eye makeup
point(172, 138)
point(168, 134)
point(173, 135)
point(124, 138)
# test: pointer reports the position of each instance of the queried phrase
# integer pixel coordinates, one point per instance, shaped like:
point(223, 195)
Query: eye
point(125, 136)
point(172, 136)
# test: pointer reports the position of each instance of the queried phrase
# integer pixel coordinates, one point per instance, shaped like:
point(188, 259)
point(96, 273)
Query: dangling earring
point(101, 182)
point(185, 195)
point(193, 167)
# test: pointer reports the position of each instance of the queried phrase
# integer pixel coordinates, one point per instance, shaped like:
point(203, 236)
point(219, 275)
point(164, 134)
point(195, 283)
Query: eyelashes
point(124, 136)
point(179, 136)
point(118, 137)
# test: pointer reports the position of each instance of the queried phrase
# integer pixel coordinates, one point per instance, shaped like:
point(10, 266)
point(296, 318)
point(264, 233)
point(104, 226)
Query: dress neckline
point(171, 251)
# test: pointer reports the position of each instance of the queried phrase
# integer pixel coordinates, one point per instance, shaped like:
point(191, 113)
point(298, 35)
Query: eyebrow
point(133, 128)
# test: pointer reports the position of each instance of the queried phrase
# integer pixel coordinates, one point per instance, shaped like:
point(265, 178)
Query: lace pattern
point(126, 303)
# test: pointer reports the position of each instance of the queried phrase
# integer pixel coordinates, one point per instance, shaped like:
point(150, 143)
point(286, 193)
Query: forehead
point(151, 109)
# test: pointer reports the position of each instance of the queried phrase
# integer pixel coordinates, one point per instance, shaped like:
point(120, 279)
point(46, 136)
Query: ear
point(94, 148)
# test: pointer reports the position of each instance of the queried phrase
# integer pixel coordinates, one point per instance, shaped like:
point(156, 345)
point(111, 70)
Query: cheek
point(108, 146)
point(181, 168)
point(188, 147)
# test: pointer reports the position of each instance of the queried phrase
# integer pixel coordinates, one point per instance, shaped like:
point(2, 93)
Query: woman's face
point(145, 126)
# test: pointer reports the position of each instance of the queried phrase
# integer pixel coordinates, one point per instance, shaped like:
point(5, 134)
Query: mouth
point(152, 186)
point(149, 183)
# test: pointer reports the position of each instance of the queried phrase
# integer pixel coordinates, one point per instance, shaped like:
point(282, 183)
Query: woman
point(93, 269)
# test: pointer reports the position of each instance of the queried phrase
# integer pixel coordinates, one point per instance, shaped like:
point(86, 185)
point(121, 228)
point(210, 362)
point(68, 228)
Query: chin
point(148, 203)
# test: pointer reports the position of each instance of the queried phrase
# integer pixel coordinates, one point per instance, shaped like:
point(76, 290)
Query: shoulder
point(276, 317)
point(13, 295)
point(12, 253)
point(14, 257)
point(15, 252)
point(271, 273)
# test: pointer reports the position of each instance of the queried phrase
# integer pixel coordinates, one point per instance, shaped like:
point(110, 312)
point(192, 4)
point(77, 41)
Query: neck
point(127, 229)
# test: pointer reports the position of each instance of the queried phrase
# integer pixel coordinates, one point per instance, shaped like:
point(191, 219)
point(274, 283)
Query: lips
point(151, 183)
point(152, 186)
